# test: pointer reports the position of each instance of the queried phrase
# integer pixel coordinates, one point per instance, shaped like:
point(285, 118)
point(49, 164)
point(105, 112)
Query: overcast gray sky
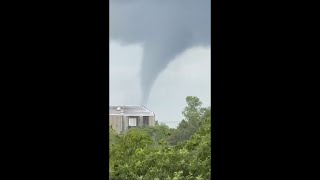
point(159, 54)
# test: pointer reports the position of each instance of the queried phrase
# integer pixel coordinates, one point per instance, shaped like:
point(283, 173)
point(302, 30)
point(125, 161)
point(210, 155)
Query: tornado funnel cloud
point(166, 29)
point(157, 57)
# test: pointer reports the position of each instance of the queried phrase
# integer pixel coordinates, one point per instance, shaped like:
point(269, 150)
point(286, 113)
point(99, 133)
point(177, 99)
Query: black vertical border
point(102, 56)
point(216, 90)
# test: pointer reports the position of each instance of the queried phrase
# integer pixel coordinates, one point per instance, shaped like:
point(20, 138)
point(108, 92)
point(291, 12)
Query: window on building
point(132, 121)
point(145, 120)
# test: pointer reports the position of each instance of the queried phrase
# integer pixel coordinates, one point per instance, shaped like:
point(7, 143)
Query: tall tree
point(194, 115)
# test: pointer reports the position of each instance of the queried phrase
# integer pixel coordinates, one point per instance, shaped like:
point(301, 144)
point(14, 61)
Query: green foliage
point(143, 153)
point(194, 115)
point(160, 132)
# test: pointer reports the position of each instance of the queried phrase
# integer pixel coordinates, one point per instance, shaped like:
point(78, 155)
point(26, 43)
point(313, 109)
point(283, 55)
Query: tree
point(194, 115)
point(133, 157)
point(192, 110)
point(158, 132)
point(143, 153)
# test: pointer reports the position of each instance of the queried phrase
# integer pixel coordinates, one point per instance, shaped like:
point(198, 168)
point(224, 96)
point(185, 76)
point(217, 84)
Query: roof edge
point(147, 109)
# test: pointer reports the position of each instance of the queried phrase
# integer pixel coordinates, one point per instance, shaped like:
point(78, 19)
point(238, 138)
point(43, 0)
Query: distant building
point(122, 118)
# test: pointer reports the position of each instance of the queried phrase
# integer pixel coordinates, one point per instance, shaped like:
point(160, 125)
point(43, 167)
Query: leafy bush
point(144, 153)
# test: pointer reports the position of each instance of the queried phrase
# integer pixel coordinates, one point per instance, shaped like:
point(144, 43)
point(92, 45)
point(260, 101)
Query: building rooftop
point(130, 110)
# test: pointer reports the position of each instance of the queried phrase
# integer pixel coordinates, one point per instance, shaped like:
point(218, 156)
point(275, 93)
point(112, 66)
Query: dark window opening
point(145, 120)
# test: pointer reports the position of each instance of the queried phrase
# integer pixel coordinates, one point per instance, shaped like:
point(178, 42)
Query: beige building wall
point(115, 121)
point(140, 119)
point(120, 123)
point(125, 123)
point(152, 121)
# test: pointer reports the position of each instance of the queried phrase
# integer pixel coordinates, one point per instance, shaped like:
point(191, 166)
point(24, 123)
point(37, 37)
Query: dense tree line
point(163, 153)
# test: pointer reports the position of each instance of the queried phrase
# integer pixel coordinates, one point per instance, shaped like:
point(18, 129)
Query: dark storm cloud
point(165, 27)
